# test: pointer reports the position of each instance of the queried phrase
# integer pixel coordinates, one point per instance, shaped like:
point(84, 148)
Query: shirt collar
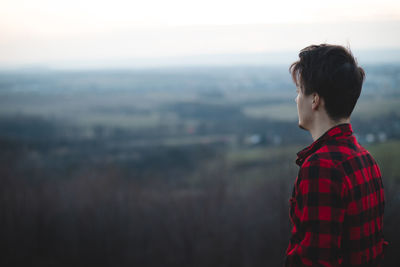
point(344, 129)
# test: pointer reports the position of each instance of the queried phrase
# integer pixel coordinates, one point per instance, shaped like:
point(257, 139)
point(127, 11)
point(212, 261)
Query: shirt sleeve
point(317, 214)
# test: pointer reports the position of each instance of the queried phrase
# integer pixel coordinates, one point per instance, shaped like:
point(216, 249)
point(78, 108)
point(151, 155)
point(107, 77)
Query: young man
point(337, 203)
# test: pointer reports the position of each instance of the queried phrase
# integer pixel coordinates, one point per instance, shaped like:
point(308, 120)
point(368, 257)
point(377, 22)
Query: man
point(337, 203)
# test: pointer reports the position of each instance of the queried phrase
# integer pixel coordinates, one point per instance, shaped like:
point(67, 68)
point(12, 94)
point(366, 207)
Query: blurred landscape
point(167, 166)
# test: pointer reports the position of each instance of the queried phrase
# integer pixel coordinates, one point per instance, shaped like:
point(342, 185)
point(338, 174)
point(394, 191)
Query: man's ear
point(316, 101)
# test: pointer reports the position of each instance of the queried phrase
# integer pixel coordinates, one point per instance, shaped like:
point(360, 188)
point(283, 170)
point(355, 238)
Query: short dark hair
point(333, 73)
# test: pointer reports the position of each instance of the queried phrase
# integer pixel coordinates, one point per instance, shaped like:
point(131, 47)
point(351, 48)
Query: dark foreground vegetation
point(80, 202)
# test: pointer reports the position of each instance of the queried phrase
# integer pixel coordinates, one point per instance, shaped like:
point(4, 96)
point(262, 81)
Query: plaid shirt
point(337, 204)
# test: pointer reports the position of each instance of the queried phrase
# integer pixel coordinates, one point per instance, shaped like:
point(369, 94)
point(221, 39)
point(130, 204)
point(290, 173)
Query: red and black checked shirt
point(337, 204)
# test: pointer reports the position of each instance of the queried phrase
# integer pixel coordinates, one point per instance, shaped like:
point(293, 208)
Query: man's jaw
point(302, 127)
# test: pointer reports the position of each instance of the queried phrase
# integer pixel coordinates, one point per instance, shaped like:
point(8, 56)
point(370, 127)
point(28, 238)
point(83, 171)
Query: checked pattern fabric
point(337, 204)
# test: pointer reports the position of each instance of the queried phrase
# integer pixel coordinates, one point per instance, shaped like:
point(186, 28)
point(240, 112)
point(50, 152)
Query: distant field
point(376, 107)
point(119, 120)
point(365, 109)
point(260, 162)
point(262, 153)
point(387, 155)
point(286, 112)
point(252, 167)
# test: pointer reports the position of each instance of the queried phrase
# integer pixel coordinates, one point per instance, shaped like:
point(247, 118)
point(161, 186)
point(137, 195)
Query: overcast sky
point(51, 32)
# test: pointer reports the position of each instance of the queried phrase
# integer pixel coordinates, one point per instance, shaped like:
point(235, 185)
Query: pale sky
point(56, 31)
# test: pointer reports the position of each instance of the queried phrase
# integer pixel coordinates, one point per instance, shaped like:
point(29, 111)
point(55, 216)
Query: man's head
point(329, 76)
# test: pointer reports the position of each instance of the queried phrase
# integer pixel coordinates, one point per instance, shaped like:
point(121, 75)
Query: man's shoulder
point(334, 153)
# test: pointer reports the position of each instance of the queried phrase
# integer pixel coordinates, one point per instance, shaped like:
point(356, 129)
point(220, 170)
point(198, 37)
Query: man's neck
point(321, 126)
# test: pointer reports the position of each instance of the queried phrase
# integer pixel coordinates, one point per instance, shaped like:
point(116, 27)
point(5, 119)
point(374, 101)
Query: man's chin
point(302, 127)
